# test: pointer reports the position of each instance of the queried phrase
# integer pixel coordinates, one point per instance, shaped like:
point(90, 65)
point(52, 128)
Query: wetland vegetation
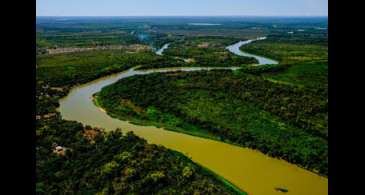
point(88, 155)
point(281, 109)
point(236, 107)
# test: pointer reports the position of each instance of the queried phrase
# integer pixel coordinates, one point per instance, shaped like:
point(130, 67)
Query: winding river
point(235, 48)
point(160, 51)
point(248, 169)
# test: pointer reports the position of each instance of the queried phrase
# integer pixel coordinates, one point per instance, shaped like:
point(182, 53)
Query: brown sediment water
point(250, 170)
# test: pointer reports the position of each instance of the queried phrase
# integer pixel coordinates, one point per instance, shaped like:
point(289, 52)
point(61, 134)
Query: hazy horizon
point(277, 16)
point(147, 8)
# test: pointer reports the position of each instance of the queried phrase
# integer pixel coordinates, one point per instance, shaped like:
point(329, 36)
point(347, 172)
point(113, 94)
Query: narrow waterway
point(248, 169)
point(235, 48)
point(160, 51)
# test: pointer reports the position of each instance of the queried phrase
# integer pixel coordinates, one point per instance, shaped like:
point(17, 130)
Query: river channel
point(248, 169)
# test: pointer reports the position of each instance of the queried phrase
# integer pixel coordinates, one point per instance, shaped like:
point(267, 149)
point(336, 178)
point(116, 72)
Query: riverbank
point(90, 154)
point(203, 103)
point(161, 50)
point(235, 48)
point(245, 168)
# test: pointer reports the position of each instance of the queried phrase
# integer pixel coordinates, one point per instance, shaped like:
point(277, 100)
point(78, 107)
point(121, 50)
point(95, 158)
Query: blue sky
point(182, 7)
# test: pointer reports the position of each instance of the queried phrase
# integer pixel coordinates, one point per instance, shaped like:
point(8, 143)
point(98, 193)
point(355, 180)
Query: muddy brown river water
point(250, 170)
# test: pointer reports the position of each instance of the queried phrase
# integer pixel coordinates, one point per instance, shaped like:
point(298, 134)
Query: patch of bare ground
point(189, 60)
point(60, 150)
point(204, 45)
point(91, 134)
point(46, 116)
point(129, 104)
point(60, 89)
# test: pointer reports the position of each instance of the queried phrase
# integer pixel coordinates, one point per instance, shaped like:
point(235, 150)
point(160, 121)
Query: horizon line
point(193, 16)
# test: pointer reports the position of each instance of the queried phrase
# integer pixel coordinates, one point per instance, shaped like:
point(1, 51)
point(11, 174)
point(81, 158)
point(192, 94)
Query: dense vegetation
point(86, 39)
point(280, 109)
point(280, 120)
point(207, 51)
point(304, 63)
point(94, 162)
point(80, 67)
point(56, 73)
point(83, 160)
